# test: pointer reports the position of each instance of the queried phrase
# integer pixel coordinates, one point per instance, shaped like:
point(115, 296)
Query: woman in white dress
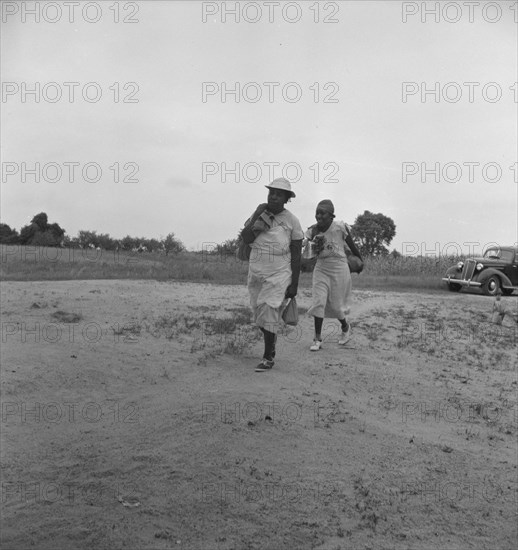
point(332, 242)
point(275, 236)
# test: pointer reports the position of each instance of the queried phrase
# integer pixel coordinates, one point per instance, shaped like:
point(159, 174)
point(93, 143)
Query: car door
point(511, 269)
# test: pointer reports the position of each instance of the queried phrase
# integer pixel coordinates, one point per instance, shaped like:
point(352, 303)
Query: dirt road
point(132, 418)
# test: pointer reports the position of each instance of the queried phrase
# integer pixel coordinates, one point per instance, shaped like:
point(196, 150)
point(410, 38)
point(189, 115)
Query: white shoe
point(317, 344)
point(345, 337)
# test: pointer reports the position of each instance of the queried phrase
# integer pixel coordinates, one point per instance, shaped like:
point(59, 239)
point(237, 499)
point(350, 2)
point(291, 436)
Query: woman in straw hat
point(275, 236)
point(330, 241)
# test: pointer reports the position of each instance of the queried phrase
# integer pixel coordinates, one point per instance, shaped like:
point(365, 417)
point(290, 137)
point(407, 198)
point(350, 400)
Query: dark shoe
point(264, 365)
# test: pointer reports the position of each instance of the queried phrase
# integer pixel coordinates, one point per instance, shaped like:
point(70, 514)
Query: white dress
point(269, 272)
point(332, 283)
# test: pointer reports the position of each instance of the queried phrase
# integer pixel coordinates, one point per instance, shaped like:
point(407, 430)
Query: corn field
point(21, 263)
point(409, 265)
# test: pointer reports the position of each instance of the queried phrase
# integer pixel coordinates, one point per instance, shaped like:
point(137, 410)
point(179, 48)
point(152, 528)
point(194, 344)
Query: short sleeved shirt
point(334, 243)
point(276, 241)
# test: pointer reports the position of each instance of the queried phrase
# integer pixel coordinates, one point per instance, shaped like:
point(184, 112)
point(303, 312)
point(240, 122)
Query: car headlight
point(460, 265)
point(479, 266)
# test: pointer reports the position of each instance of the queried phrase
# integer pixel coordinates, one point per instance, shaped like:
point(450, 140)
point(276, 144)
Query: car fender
point(490, 272)
point(453, 272)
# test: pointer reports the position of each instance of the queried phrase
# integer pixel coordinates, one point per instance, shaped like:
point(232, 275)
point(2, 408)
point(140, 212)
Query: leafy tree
point(129, 243)
point(172, 245)
point(45, 238)
point(87, 238)
point(229, 247)
point(374, 232)
point(41, 220)
point(40, 233)
point(106, 242)
point(70, 242)
point(57, 232)
point(8, 235)
point(153, 245)
point(27, 233)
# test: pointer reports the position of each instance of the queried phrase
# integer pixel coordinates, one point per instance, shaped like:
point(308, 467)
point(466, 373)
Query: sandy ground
point(131, 420)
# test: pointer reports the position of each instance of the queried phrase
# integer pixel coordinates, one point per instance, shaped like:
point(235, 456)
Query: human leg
point(346, 332)
point(317, 342)
point(269, 344)
point(269, 351)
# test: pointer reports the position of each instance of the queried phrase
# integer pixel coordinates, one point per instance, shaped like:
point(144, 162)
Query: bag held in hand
point(290, 315)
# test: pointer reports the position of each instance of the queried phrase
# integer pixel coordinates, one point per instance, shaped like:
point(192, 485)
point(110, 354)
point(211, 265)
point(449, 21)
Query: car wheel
point(491, 285)
point(454, 287)
point(507, 291)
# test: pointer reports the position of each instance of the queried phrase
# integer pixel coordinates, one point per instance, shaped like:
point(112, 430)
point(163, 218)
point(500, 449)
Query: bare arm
point(295, 251)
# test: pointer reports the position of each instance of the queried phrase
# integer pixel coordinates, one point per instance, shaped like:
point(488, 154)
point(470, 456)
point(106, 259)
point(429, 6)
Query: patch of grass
point(242, 315)
point(221, 326)
point(366, 504)
point(67, 317)
point(130, 328)
point(33, 263)
point(382, 313)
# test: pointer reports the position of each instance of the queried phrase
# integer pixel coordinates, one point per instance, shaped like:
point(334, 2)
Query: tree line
point(40, 233)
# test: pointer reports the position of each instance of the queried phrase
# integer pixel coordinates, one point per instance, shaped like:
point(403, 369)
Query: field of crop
point(31, 263)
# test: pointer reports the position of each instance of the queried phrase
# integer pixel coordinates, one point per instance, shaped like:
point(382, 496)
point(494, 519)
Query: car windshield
point(497, 254)
point(492, 253)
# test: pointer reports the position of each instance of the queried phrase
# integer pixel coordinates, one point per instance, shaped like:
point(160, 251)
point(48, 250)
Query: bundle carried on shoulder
point(259, 221)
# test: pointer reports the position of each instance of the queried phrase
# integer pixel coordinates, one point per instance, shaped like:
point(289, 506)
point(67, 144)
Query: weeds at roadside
point(214, 336)
point(132, 328)
point(366, 504)
point(67, 317)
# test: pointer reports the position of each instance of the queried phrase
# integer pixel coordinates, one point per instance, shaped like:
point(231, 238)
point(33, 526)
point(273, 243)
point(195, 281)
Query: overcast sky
point(344, 110)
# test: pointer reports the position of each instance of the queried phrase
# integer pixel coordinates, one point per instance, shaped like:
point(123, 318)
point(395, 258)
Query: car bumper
point(461, 282)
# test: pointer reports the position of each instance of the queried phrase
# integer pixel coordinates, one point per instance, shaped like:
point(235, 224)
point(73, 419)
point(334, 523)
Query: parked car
point(496, 269)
